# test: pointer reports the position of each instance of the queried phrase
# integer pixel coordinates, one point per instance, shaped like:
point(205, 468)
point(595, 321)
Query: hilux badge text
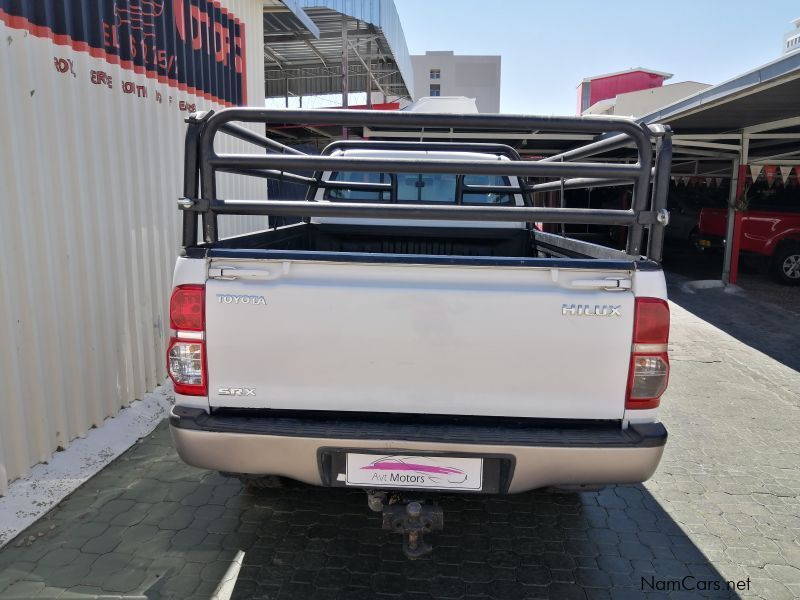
point(240, 299)
point(590, 310)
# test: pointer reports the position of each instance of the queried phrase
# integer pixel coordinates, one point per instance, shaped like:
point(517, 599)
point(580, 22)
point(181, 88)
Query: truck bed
point(437, 241)
point(421, 245)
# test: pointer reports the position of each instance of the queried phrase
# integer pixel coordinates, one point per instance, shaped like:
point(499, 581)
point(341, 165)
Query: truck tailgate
point(411, 338)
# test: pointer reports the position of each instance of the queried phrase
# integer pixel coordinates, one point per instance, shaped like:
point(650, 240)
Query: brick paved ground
point(723, 504)
point(754, 277)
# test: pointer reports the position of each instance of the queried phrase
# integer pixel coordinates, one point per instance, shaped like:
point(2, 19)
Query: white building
point(791, 40)
point(443, 73)
point(642, 102)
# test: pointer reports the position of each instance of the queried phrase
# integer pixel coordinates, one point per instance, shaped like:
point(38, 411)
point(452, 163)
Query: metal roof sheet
point(631, 70)
point(298, 63)
point(766, 93)
point(288, 16)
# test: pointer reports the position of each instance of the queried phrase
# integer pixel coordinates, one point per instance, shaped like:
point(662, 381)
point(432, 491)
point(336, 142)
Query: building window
point(436, 89)
point(436, 74)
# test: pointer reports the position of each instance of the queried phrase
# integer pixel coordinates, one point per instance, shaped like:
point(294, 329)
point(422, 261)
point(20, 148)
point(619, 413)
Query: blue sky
point(549, 46)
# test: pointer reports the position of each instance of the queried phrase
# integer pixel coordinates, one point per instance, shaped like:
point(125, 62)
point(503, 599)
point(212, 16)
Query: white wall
point(642, 102)
point(89, 232)
point(461, 75)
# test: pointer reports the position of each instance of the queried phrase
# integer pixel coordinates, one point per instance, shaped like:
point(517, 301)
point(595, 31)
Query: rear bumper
point(537, 456)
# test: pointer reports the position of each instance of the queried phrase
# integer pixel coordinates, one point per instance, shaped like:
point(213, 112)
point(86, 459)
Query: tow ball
point(412, 519)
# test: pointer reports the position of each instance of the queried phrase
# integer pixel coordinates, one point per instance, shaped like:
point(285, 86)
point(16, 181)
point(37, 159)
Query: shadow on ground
point(149, 526)
point(760, 312)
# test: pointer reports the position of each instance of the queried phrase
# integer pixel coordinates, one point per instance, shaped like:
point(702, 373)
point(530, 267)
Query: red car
point(771, 233)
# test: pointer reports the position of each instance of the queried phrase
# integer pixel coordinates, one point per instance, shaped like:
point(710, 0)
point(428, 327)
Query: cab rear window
point(419, 188)
point(346, 195)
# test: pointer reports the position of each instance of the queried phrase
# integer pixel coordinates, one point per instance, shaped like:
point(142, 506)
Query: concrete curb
point(31, 497)
point(691, 287)
point(224, 590)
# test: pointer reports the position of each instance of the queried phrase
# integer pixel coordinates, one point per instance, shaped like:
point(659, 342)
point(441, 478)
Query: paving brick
point(59, 557)
point(132, 516)
point(180, 519)
point(24, 589)
point(105, 542)
point(534, 575)
point(180, 586)
point(447, 587)
point(72, 574)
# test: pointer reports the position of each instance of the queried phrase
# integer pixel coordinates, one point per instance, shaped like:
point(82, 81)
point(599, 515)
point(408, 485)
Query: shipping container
point(93, 96)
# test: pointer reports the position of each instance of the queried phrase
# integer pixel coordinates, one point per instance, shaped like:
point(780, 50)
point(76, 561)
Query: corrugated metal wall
point(89, 230)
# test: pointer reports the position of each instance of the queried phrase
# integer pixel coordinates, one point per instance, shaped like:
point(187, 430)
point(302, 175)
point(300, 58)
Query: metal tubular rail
point(655, 241)
point(356, 185)
point(426, 165)
point(190, 177)
point(579, 184)
point(245, 134)
point(489, 148)
point(607, 144)
point(516, 214)
point(475, 188)
point(592, 149)
point(461, 187)
point(640, 197)
point(281, 160)
point(270, 174)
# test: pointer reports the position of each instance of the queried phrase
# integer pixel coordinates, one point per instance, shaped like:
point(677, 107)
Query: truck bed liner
point(439, 245)
point(438, 241)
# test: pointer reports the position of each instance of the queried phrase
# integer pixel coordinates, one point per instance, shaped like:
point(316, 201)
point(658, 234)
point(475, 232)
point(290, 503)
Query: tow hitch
point(413, 519)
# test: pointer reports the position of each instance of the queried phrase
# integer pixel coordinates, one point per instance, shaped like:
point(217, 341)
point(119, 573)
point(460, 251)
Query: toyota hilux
point(416, 331)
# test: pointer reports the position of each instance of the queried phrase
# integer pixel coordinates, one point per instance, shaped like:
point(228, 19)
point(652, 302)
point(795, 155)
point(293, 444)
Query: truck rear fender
point(189, 271)
point(649, 284)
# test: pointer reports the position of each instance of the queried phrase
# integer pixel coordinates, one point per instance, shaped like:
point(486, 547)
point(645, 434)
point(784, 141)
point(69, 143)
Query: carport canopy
point(750, 120)
point(316, 47)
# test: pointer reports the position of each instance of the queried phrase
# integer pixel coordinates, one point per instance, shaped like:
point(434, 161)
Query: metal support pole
point(563, 203)
point(368, 65)
point(190, 180)
point(345, 67)
point(660, 192)
point(730, 269)
point(345, 73)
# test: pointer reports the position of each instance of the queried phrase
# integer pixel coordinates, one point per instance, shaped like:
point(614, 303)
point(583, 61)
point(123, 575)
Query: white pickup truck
point(417, 331)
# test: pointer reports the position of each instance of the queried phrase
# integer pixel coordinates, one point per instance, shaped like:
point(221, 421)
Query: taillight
point(186, 361)
point(649, 369)
point(186, 354)
point(186, 308)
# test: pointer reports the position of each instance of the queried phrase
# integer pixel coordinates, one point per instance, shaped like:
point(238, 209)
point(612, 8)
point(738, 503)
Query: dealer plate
point(409, 471)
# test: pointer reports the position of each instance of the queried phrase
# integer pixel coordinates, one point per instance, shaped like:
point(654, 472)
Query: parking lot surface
point(754, 278)
point(723, 506)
